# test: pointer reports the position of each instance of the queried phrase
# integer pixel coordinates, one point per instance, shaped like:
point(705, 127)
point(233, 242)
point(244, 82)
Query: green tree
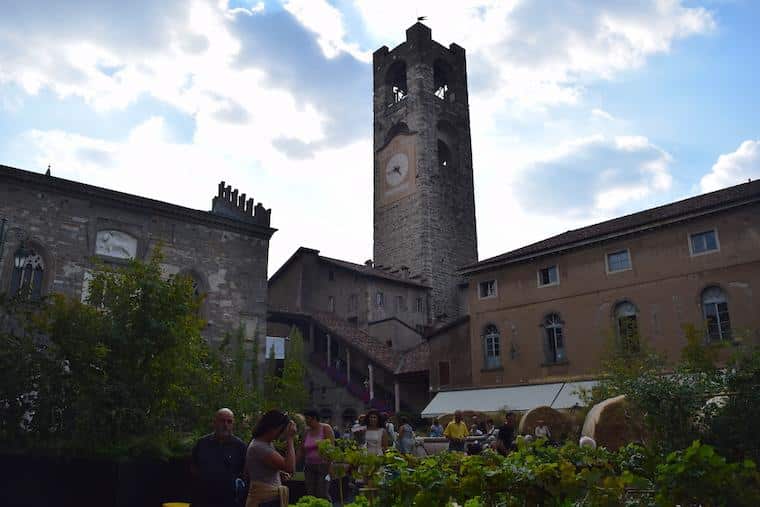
point(128, 372)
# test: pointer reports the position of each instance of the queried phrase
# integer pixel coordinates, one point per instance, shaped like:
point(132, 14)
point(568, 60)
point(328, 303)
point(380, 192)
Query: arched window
point(444, 155)
point(627, 326)
point(555, 338)
point(492, 347)
point(715, 309)
point(396, 81)
point(27, 275)
point(441, 83)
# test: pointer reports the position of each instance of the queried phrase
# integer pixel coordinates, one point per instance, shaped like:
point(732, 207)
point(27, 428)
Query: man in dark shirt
point(219, 459)
point(507, 434)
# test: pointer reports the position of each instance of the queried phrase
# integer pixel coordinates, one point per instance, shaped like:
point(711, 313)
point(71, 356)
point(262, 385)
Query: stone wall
point(432, 230)
point(71, 224)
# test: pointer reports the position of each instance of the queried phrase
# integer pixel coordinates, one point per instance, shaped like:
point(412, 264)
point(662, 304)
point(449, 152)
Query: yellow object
point(175, 504)
point(456, 430)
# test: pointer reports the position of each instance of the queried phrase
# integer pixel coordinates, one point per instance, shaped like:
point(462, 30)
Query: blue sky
point(581, 111)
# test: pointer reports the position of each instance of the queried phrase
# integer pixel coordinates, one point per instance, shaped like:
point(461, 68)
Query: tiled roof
point(654, 217)
point(360, 269)
point(381, 353)
point(371, 271)
point(415, 359)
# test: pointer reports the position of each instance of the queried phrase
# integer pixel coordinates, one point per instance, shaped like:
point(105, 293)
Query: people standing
point(390, 428)
point(316, 469)
point(436, 430)
point(375, 437)
point(490, 430)
point(506, 435)
point(264, 464)
point(542, 430)
point(405, 442)
point(456, 431)
point(218, 461)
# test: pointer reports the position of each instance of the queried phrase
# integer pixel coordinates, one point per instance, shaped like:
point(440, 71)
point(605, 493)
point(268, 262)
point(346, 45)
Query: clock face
point(396, 169)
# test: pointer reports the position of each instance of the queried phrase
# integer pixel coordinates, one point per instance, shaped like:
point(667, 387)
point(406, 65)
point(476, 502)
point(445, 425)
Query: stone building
point(53, 229)
point(362, 329)
point(549, 311)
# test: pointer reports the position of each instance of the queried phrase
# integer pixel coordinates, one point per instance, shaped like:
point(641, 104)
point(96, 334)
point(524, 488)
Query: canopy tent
point(558, 395)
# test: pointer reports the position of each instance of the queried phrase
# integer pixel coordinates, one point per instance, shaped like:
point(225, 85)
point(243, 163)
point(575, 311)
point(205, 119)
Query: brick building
point(547, 312)
point(53, 230)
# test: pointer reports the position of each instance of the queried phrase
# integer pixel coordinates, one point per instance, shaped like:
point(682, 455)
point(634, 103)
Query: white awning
point(558, 395)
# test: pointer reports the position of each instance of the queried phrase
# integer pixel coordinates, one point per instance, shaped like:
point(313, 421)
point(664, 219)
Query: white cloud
point(601, 113)
point(327, 23)
point(734, 168)
point(540, 52)
point(595, 177)
point(324, 203)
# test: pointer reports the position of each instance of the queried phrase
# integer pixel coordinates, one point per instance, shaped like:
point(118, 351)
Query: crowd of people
point(232, 472)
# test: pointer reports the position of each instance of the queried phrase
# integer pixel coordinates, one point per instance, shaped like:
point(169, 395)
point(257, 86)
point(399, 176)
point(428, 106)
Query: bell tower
point(424, 204)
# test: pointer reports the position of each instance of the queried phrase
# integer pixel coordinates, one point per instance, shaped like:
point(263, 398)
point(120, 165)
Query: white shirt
point(374, 441)
point(542, 431)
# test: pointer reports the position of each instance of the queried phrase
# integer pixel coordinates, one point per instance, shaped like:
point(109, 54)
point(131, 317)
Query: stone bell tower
point(424, 205)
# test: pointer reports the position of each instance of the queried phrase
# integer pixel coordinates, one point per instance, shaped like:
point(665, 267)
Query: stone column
point(328, 350)
point(397, 396)
point(371, 383)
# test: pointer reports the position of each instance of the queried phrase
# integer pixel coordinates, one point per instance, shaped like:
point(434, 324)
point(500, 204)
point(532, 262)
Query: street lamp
point(20, 235)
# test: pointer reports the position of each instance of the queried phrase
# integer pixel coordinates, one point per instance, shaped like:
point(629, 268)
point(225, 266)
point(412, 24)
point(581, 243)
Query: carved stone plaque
point(116, 244)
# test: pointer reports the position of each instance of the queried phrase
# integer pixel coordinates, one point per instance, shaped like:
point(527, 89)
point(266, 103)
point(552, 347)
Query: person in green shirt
point(456, 431)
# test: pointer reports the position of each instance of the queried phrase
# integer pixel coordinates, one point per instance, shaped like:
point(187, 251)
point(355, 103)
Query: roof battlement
point(232, 204)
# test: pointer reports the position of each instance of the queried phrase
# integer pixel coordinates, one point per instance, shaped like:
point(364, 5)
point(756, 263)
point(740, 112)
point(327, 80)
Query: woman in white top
point(375, 437)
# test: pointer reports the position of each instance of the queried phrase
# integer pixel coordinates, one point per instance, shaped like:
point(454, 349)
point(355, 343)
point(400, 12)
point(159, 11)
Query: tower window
point(444, 155)
point(396, 81)
point(441, 73)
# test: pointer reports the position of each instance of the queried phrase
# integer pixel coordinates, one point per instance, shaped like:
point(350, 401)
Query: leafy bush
point(699, 476)
point(538, 474)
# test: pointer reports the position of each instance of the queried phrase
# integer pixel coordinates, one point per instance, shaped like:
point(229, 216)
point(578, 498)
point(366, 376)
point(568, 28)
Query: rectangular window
point(331, 275)
point(400, 304)
point(703, 242)
point(556, 345)
point(718, 322)
point(330, 304)
point(444, 373)
point(487, 289)
point(548, 276)
point(618, 261)
point(353, 303)
point(379, 300)
point(420, 306)
point(628, 332)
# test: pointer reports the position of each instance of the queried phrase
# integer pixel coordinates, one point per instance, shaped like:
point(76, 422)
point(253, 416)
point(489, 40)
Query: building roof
point(712, 202)
point(130, 201)
point(359, 269)
point(376, 350)
point(414, 360)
